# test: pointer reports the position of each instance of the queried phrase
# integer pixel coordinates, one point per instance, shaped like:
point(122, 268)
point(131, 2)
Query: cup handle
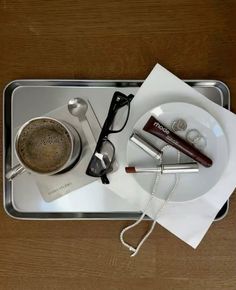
point(16, 170)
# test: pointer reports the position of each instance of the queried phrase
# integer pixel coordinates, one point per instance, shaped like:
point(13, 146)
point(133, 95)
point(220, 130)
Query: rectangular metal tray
point(25, 99)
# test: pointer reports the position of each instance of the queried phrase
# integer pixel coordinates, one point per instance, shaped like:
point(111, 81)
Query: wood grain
point(115, 40)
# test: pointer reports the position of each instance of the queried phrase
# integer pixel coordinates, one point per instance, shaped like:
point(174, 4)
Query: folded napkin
point(189, 220)
point(53, 187)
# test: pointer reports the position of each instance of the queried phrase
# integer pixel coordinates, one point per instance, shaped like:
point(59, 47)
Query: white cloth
point(188, 220)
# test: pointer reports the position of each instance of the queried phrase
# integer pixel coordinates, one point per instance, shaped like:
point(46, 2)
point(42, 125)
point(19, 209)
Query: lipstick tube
point(166, 168)
point(145, 146)
point(154, 127)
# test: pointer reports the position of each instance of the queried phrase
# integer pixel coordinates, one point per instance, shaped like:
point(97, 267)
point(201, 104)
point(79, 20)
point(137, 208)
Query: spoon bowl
point(78, 107)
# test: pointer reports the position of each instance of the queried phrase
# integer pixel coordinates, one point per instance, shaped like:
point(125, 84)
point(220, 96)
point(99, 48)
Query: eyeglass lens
point(101, 161)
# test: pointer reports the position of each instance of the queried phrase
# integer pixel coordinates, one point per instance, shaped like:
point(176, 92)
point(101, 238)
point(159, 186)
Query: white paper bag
point(191, 219)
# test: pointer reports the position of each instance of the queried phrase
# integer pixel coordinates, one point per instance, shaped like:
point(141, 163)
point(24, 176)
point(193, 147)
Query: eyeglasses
point(103, 156)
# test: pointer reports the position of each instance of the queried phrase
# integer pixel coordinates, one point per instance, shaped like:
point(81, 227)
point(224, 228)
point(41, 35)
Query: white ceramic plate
point(193, 185)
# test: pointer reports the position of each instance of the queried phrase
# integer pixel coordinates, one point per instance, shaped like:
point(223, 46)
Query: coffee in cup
point(46, 146)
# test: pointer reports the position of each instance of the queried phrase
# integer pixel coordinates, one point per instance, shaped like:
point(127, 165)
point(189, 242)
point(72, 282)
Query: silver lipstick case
point(171, 168)
point(145, 146)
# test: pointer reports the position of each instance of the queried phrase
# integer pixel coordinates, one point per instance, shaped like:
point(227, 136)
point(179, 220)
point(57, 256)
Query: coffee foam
point(44, 146)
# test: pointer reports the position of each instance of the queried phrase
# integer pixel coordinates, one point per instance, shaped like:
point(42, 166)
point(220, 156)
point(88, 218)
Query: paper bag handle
point(131, 248)
point(127, 245)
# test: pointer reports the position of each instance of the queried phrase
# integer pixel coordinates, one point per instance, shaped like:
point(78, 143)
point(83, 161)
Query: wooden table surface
point(115, 40)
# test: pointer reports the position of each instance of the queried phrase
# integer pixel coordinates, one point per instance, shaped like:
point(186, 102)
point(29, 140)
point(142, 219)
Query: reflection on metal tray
point(25, 99)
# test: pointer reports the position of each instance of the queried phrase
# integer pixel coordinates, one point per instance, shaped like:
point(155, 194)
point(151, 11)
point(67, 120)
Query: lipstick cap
point(146, 146)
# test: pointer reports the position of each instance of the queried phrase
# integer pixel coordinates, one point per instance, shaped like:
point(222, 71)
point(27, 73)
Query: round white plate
point(191, 185)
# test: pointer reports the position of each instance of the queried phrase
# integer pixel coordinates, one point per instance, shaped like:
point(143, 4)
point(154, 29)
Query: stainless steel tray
point(24, 99)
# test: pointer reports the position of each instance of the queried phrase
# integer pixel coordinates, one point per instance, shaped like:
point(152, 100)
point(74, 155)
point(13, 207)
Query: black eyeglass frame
point(119, 100)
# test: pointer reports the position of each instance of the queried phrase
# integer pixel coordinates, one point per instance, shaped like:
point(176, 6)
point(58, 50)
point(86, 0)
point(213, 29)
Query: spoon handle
point(93, 121)
point(88, 134)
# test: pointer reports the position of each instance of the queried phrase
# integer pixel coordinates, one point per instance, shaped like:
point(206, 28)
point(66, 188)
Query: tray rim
point(121, 215)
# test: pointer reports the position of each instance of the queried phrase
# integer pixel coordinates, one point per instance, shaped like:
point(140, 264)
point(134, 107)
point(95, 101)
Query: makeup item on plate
point(196, 138)
point(146, 146)
point(154, 127)
point(179, 125)
point(166, 168)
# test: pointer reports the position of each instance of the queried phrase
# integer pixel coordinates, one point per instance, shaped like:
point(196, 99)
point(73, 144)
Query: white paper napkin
point(188, 220)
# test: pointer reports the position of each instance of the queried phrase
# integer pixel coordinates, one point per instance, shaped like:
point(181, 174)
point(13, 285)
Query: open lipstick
point(165, 168)
point(154, 127)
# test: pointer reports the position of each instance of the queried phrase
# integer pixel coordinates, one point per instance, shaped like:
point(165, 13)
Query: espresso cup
point(45, 146)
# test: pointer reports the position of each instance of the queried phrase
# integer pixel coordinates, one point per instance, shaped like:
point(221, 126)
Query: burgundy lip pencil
point(154, 127)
